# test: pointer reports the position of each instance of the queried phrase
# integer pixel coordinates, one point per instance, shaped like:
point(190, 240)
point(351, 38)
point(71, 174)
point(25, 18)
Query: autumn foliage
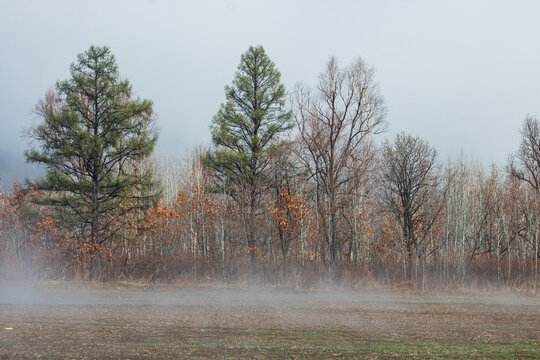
point(197, 236)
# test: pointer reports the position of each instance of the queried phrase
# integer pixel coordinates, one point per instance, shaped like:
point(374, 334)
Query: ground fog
point(96, 321)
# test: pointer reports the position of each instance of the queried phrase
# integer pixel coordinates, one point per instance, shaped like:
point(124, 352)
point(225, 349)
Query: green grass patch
point(268, 343)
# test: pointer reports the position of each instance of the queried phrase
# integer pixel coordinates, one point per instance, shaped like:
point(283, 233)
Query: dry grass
point(87, 322)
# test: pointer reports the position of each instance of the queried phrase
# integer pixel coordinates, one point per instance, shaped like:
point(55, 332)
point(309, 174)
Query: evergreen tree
point(252, 119)
point(93, 140)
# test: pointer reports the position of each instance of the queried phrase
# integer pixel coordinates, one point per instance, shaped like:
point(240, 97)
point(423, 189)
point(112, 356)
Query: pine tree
point(252, 119)
point(94, 138)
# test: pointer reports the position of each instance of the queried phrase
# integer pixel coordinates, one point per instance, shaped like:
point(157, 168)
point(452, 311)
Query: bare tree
point(284, 172)
point(525, 164)
point(334, 120)
point(410, 182)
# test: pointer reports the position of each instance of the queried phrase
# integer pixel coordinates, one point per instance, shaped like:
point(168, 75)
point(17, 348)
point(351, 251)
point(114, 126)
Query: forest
point(297, 189)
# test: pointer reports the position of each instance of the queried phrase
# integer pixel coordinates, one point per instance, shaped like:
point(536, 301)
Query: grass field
point(86, 322)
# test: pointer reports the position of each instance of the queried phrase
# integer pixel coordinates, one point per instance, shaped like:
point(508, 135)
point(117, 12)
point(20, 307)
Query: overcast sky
point(461, 74)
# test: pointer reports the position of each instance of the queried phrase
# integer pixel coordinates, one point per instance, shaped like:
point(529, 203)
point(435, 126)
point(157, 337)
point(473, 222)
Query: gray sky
point(461, 74)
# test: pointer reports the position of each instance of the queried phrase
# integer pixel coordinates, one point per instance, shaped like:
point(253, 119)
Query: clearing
point(57, 320)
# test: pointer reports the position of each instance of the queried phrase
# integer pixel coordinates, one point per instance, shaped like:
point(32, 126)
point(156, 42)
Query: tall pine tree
point(243, 129)
point(93, 140)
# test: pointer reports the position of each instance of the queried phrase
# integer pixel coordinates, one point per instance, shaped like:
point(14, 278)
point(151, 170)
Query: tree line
point(295, 188)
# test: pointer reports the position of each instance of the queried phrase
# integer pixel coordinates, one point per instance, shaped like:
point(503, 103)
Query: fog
point(97, 321)
point(61, 293)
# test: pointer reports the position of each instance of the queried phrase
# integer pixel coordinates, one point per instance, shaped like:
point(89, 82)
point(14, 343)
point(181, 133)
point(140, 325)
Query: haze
point(460, 74)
